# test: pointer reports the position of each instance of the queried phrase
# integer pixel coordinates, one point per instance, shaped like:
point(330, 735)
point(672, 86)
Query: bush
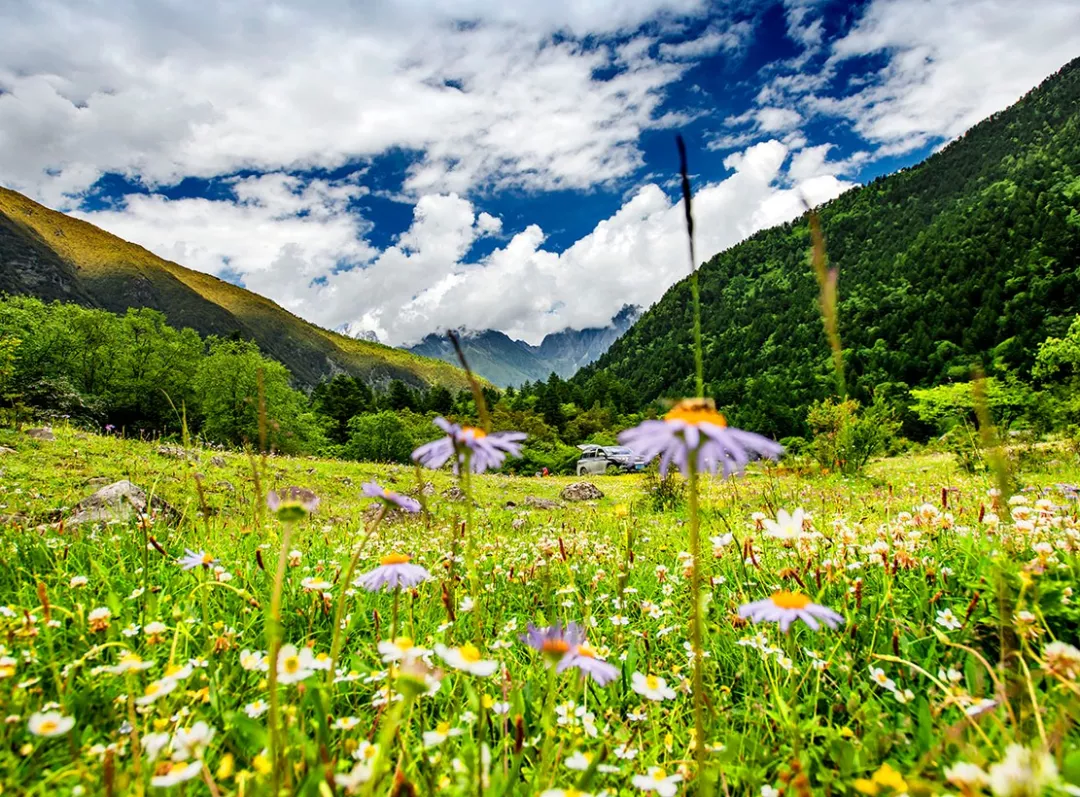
point(845, 437)
point(380, 437)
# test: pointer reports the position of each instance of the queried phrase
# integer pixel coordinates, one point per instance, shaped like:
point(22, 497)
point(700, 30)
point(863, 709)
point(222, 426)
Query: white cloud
point(427, 282)
point(160, 91)
point(709, 42)
point(951, 63)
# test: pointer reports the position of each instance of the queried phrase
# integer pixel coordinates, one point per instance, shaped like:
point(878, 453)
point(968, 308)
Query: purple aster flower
point(585, 659)
point(292, 503)
point(192, 559)
point(483, 451)
point(393, 572)
point(390, 499)
point(787, 607)
point(554, 642)
point(693, 426)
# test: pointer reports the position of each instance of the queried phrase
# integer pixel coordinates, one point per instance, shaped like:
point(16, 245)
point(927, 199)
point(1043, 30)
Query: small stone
point(542, 503)
point(581, 491)
point(45, 433)
point(225, 486)
point(6, 450)
point(454, 493)
point(218, 461)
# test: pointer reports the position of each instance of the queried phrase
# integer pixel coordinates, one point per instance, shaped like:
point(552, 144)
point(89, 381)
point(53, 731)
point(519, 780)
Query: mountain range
point(971, 258)
point(56, 257)
point(507, 362)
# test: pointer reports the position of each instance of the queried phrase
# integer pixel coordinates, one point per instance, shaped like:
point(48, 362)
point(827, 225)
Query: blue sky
point(406, 167)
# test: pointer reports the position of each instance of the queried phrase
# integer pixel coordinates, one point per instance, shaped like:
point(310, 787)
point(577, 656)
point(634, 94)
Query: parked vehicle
point(608, 459)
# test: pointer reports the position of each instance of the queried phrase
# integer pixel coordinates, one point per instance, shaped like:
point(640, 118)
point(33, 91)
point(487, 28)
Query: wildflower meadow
point(389, 630)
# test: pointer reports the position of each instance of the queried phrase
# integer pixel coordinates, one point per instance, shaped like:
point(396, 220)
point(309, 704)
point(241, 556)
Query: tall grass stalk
point(273, 646)
point(696, 633)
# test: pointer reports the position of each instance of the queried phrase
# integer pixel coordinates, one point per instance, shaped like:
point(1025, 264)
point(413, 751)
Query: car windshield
point(620, 452)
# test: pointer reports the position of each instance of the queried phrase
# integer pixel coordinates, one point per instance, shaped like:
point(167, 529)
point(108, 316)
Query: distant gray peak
point(353, 330)
point(506, 361)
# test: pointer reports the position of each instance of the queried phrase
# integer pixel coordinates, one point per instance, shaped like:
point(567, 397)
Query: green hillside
point(52, 256)
point(972, 257)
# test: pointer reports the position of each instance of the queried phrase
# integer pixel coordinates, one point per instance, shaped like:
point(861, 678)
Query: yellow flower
point(886, 777)
point(262, 764)
point(226, 767)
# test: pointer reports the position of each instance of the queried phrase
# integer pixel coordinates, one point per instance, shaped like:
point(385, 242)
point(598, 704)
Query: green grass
point(776, 715)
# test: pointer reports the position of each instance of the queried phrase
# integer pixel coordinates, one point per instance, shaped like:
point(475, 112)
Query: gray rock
point(581, 491)
point(225, 486)
point(6, 450)
point(453, 493)
point(218, 461)
point(172, 452)
point(542, 503)
point(44, 433)
point(118, 501)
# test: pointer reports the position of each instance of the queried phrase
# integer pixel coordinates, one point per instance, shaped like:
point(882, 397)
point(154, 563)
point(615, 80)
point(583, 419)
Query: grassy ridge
point(55, 256)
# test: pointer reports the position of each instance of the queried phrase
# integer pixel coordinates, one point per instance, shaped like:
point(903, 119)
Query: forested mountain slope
point(52, 256)
point(973, 256)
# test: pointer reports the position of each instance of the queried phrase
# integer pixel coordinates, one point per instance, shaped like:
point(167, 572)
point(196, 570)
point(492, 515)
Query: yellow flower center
point(659, 774)
point(695, 411)
point(790, 600)
point(207, 559)
point(395, 559)
point(469, 653)
point(403, 643)
point(443, 728)
point(48, 726)
point(153, 689)
point(172, 669)
point(477, 434)
point(292, 664)
point(586, 651)
point(652, 682)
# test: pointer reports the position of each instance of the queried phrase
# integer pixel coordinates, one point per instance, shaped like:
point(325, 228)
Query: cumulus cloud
point(159, 91)
point(949, 64)
point(953, 63)
point(288, 241)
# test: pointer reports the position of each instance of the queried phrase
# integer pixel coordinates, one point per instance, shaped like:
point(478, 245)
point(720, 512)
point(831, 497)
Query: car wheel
point(613, 470)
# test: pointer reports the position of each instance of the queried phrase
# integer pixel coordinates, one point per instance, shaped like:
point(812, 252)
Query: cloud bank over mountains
point(283, 116)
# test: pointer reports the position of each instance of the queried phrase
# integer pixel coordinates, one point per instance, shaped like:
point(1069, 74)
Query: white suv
point(604, 459)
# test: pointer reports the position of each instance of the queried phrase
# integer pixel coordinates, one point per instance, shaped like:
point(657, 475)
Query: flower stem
point(465, 478)
point(273, 644)
point(339, 611)
point(696, 625)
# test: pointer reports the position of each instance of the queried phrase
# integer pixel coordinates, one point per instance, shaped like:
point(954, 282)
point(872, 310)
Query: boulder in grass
point(118, 501)
point(581, 491)
point(6, 450)
point(44, 433)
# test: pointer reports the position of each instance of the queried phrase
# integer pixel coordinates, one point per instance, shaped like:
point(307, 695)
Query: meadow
point(122, 672)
